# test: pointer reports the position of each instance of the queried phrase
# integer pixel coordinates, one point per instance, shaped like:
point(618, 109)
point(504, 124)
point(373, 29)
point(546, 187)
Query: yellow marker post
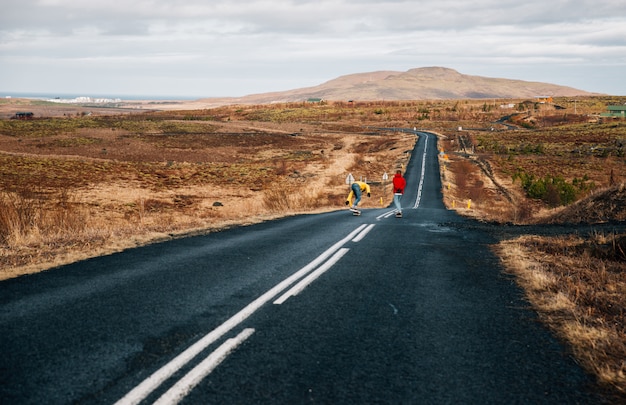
point(469, 204)
point(381, 201)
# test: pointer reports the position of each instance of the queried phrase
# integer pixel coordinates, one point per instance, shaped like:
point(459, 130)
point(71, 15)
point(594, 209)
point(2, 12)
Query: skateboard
point(355, 211)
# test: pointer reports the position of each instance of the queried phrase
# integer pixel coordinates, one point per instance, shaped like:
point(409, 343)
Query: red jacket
point(398, 184)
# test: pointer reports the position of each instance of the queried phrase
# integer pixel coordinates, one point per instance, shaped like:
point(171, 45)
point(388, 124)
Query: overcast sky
point(214, 48)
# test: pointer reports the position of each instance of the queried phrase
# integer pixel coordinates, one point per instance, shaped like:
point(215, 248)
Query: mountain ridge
point(425, 83)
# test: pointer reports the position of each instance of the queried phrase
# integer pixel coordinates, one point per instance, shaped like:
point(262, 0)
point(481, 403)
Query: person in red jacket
point(399, 183)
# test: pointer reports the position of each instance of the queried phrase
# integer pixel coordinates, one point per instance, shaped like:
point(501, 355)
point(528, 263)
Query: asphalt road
point(329, 309)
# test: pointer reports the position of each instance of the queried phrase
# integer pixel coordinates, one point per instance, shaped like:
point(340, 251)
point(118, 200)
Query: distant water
point(70, 96)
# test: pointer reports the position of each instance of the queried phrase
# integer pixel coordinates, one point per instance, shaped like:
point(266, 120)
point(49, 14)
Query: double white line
point(386, 214)
point(420, 186)
point(179, 390)
point(421, 183)
point(295, 290)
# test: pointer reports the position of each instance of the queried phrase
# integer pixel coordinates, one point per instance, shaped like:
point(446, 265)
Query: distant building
point(618, 111)
point(23, 116)
point(544, 99)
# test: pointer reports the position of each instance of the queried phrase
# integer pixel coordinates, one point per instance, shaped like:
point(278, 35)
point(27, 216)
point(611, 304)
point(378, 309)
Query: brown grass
point(578, 286)
point(72, 188)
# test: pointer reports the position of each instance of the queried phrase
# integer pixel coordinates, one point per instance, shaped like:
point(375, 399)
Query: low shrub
point(553, 190)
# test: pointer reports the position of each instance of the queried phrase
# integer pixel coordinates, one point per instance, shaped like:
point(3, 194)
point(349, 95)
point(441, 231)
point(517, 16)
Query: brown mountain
point(428, 83)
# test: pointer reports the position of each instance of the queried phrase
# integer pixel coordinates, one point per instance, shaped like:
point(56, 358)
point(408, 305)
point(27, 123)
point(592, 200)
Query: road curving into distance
point(326, 308)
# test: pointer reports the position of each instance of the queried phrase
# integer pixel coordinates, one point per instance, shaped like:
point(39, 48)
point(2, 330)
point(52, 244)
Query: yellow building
point(544, 99)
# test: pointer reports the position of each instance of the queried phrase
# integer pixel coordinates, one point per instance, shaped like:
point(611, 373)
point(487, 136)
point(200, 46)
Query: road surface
point(329, 308)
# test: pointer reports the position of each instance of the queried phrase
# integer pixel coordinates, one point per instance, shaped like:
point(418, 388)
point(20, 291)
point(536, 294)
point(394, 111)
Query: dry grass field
point(77, 182)
point(74, 185)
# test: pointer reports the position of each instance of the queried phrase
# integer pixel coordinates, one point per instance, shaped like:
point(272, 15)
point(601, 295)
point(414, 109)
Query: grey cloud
point(297, 16)
point(281, 39)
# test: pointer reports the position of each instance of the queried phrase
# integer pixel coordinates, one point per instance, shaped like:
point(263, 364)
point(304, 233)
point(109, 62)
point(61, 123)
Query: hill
point(428, 83)
point(607, 205)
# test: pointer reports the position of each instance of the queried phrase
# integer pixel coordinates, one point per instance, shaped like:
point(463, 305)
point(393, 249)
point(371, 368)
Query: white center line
point(184, 386)
point(141, 391)
point(361, 235)
point(421, 183)
point(295, 290)
point(386, 214)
